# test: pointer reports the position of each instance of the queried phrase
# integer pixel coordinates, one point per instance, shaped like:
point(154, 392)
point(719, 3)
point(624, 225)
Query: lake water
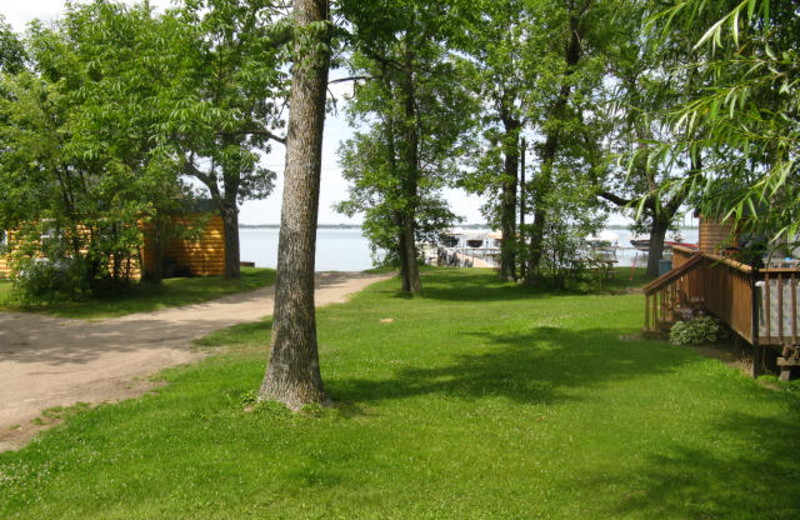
point(337, 249)
point(348, 249)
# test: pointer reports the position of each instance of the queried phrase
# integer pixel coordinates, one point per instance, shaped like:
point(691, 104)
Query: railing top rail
point(669, 276)
point(781, 270)
point(730, 262)
point(684, 249)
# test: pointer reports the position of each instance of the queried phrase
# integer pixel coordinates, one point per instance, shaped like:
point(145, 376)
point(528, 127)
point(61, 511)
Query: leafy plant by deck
point(146, 297)
point(481, 400)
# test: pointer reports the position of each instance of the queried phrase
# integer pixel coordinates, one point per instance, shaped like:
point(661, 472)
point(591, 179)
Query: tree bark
point(522, 150)
point(508, 203)
point(293, 375)
point(658, 232)
point(410, 169)
point(536, 245)
point(414, 286)
point(230, 222)
point(572, 55)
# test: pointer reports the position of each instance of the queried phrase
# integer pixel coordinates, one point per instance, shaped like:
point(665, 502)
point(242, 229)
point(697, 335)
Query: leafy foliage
point(82, 156)
point(698, 330)
point(747, 114)
point(415, 115)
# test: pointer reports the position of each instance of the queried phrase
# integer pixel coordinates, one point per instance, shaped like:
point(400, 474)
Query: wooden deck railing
point(760, 305)
point(667, 294)
point(777, 296)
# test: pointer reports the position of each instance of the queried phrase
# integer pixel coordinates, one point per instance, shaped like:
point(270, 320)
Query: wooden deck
point(759, 305)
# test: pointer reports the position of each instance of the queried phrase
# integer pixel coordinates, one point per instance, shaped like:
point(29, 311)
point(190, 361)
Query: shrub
point(699, 330)
point(45, 280)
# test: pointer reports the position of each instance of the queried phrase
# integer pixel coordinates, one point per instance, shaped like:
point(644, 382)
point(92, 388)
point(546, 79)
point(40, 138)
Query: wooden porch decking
point(759, 305)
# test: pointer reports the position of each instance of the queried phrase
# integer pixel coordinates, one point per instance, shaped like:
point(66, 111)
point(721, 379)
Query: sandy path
point(46, 362)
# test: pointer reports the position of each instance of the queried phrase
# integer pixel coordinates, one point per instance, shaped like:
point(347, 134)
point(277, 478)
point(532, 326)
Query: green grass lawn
point(5, 289)
point(147, 297)
point(481, 400)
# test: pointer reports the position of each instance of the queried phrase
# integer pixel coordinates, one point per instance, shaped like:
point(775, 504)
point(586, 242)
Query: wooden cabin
point(197, 253)
point(200, 255)
point(760, 304)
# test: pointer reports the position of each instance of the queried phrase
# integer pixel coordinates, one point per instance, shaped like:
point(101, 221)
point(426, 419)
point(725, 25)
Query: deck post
point(757, 352)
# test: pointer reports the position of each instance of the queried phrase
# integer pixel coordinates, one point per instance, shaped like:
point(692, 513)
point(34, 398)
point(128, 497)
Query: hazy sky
point(334, 189)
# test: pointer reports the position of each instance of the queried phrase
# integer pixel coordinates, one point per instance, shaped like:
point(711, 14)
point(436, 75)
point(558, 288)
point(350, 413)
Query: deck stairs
point(668, 300)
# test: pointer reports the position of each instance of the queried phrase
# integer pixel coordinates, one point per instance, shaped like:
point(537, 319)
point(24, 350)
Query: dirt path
point(46, 362)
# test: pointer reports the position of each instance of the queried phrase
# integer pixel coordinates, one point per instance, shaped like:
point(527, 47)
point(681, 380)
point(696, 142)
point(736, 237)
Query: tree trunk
point(508, 203)
point(412, 268)
point(293, 375)
point(536, 245)
point(548, 156)
point(402, 255)
point(230, 222)
point(658, 232)
point(522, 150)
point(410, 168)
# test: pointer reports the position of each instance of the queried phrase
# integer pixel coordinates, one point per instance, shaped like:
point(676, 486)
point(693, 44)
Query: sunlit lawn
point(5, 289)
point(482, 400)
point(145, 297)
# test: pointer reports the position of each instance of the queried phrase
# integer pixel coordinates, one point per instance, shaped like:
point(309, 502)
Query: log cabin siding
point(714, 236)
point(202, 257)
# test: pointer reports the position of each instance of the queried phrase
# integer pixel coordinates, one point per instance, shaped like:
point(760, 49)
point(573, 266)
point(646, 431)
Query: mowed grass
point(5, 290)
point(145, 297)
point(481, 400)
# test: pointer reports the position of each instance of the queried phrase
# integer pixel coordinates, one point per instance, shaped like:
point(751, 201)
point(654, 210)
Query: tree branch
point(263, 133)
point(614, 198)
point(353, 78)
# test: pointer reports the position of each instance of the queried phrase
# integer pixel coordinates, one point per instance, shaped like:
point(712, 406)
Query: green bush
point(43, 280)
point(699, 330)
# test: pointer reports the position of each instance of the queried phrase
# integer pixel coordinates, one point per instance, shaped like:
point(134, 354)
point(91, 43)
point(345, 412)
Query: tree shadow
point(760, 481)
point(537, 366)
point(483, 285)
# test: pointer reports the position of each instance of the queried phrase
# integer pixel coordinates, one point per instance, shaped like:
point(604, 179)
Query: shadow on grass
point(681, 479)
point(531, 367)
point(760, 481)
point(482, 285)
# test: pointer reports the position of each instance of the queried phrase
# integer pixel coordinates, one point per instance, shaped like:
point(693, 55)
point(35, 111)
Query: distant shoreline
point(463, 226)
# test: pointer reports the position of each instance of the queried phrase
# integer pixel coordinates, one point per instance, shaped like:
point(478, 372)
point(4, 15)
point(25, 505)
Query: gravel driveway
point(46, 362)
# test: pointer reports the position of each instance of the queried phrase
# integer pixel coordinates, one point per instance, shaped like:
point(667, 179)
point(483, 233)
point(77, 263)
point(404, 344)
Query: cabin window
point(3, 238)
point(48, 234)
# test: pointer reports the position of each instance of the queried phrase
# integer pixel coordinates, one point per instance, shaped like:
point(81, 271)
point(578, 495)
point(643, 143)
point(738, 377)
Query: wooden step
point(665, 325)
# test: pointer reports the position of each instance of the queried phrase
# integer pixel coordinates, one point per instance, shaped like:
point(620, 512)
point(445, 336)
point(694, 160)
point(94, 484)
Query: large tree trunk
point(410, 168)
point(402, 255)
point(549, 153)
point(658, 232)
point(293, 375)
point(508, 202)
point(414, 284)
point(230, 222)
point(536, 244)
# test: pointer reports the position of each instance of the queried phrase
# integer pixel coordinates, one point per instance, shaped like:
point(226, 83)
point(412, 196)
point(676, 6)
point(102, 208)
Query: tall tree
point(747, 114)
point(12, 50)
point(81, 153)
point(293, 374)
point(648, 83)
point(230, 90)
point(416, 114)
point(494, 41)
point(565, 67)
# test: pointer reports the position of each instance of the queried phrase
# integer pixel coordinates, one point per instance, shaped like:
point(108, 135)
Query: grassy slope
point(482, 400)
point(173, 293)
